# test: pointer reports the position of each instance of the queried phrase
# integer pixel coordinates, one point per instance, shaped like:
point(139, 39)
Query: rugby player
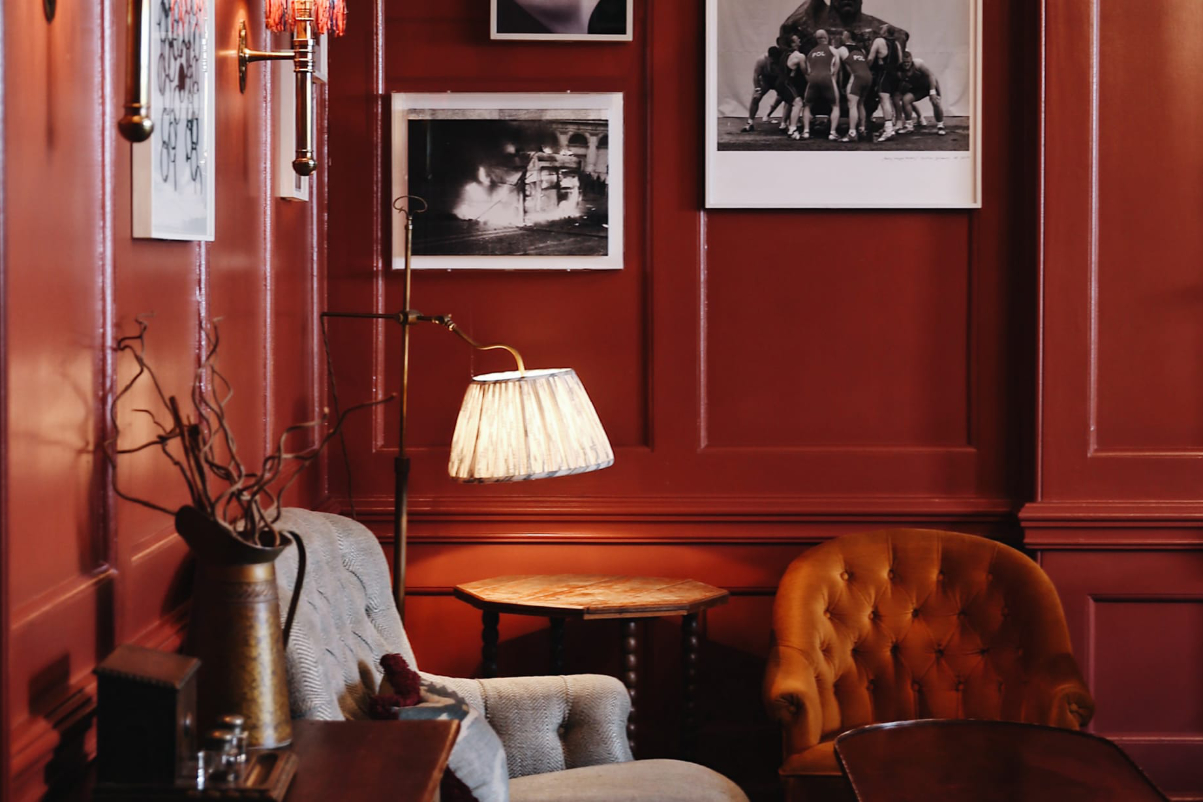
point(860, 81)
point(791, 84)
point(764, 79)
point(885, 60)
point(822, 69)
point(918, 82)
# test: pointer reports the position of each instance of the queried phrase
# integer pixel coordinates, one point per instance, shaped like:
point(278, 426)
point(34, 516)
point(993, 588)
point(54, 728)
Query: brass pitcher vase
point(235, 631)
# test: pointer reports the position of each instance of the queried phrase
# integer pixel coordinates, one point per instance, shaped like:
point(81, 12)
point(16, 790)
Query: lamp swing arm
point(413, 317)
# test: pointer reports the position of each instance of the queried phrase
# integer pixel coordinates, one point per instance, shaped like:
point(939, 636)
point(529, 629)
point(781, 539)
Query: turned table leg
point(690, 648)
point(488, 643)
point(557, 646)
point(630, 650)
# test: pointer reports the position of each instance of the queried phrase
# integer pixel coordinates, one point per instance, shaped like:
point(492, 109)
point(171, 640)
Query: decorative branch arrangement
point(201, 447)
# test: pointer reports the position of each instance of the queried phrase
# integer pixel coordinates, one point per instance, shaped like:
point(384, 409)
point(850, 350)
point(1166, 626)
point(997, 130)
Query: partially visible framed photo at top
point(843, 104)
point(173, 180)
point(564, 20)
point(512, 181)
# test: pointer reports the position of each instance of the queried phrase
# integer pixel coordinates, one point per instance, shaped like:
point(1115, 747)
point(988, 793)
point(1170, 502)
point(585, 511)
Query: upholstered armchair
point(906, 624)
point(564, 737)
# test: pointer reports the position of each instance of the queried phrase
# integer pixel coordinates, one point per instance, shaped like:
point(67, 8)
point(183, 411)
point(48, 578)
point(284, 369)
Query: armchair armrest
point(1057, 695)
point(791, 696)
point(552, 723)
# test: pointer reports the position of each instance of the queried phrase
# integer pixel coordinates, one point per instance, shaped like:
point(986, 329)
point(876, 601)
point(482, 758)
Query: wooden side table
point(591, 597)
point(370, 759)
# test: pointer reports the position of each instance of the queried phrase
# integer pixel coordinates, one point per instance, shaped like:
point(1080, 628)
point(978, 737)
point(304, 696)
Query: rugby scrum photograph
point(885, 77)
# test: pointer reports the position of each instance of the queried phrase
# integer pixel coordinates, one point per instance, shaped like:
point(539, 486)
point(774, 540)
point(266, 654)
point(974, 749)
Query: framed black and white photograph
point(564, 20)
point(512, 181)
point(843, 104)
point(173, 181)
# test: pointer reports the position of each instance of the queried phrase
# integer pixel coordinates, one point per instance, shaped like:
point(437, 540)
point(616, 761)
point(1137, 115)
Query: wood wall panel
point(1136, 622)
point(1149, 383)
point(1119, 339)
point(82, 570)
point(1116, 513)
point(813, 370)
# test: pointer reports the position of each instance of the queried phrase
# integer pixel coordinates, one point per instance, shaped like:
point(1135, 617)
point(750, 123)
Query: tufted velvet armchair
point(910, 623)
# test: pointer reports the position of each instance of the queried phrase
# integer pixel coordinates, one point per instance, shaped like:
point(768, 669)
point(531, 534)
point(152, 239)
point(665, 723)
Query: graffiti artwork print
point(843, 103)
point(173, 175)
point(511, 181)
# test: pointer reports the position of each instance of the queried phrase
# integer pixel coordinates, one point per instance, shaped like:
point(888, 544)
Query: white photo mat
point(289, 184)
point(562, 37)
point(504, 106)
point(863, 178)
point(174, 172)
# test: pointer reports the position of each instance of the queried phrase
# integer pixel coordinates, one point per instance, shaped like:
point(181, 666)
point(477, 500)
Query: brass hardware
point(407, 318)
point(136, 125)
point(302, 57)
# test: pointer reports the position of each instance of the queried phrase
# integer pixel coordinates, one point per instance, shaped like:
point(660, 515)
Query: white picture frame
point(765, 169)
point(514, 181)
point(321, 58)
point(289, 185)
point(498, 31)
point(173, 181)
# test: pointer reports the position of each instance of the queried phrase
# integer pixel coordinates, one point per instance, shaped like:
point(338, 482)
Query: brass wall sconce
point(136, 125)
point(306, 19)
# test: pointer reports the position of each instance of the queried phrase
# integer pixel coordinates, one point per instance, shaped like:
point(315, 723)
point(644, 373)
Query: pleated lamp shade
point(532, 425)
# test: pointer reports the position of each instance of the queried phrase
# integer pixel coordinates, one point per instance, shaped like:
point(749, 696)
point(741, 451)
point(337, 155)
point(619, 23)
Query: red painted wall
point(84, 571)
point(1117, 515)
point(756, 405)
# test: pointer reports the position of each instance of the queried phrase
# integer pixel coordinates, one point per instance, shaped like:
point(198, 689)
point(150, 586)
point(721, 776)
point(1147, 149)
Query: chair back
point(910, 623)
point(345, 621)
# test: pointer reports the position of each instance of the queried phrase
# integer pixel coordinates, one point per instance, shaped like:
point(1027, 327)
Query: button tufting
point(960, 686)
point(844, 575)
point(890, 574)
point(893, 648)
point(915, 687)
point(939, 653)
point(872, 615)
point(915, 613)
point(989, 577)
point(961, 614)
point(940, 575)
point(985, 650)
point(827, 614)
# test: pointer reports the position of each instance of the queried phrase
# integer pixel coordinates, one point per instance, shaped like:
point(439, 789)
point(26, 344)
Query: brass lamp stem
point(136, 125)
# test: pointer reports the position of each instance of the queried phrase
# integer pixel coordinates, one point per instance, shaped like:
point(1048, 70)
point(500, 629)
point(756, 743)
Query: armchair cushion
point(552, 723)
point(638, 781)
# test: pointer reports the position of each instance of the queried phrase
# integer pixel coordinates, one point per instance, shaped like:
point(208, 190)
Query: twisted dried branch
point(200, 445)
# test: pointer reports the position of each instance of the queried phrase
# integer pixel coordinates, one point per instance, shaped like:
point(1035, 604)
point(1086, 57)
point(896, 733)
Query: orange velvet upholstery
point(910, 623)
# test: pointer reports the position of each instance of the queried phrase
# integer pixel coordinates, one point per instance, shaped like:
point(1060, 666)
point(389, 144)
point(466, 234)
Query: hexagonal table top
point(591, 596)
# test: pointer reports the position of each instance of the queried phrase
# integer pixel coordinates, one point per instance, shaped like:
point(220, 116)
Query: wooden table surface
point(370, 760)
point(987, 761)
point(591, 596)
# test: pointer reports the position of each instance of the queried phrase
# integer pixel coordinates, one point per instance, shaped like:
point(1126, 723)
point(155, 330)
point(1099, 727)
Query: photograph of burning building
point(511, 181)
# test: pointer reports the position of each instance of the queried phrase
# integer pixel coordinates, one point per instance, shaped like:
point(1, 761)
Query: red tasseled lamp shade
point(328, 16)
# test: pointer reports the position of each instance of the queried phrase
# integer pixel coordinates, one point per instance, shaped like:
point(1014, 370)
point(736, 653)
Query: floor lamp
point(513, 426)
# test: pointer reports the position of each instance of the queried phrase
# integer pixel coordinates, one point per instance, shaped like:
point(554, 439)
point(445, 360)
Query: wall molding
point(690, 509)
point(1113, 525)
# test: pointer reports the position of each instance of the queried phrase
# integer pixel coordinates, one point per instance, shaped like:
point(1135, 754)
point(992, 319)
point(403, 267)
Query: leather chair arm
point(1057, 695)
point(792, 697)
